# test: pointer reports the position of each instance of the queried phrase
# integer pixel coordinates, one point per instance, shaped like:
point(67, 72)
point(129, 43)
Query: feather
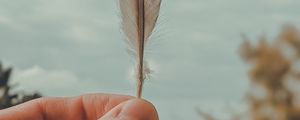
point(139, 19)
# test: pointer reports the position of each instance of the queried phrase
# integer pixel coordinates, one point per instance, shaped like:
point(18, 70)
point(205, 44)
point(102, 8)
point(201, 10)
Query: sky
point(73, 47)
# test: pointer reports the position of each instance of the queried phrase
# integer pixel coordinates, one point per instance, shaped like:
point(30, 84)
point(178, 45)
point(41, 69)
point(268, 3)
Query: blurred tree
point(8, 99)
point(274, 66)
point(275, 71)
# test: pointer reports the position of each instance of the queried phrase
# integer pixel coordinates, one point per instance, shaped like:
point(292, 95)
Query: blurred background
point(73, 47)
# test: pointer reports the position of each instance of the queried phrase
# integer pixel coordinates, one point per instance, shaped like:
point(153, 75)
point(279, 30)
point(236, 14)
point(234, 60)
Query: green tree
point(8, 99)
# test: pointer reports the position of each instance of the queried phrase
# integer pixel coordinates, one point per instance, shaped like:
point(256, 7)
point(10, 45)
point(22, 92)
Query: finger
point(27, 111)
point(135, 109)
point(86, 107)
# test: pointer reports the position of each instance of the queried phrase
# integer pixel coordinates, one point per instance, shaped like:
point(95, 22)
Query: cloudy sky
point(72, 47)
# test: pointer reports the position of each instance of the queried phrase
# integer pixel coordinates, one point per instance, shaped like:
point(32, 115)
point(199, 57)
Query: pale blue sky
point(71, 47)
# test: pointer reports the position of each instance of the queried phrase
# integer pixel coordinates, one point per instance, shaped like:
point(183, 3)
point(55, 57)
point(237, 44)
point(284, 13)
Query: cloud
point(49, 82)
point(81, 34)
point(10, 23)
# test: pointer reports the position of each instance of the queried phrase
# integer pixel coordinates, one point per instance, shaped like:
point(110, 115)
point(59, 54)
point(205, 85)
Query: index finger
point(85, 107)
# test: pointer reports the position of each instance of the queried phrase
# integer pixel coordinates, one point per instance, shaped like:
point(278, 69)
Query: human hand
point(85, 107)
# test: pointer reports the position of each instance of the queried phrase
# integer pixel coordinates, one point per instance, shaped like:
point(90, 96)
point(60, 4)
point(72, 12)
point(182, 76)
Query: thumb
point(135, 109)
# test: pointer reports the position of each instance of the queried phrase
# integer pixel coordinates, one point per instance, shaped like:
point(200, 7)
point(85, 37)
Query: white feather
point(139, 18)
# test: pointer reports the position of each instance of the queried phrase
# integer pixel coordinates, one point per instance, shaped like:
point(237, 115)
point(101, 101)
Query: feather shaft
point(141, 40)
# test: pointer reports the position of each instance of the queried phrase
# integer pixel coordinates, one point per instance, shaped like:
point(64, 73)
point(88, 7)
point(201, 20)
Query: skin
point(85, 107)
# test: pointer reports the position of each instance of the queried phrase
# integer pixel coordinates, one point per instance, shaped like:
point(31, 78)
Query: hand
point(85, 107)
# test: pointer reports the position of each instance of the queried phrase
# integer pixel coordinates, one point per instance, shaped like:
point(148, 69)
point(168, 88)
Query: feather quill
point(139, 19)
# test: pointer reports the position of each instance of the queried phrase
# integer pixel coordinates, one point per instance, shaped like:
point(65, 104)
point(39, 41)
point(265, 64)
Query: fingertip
point(140, 109)
point(134, 109)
